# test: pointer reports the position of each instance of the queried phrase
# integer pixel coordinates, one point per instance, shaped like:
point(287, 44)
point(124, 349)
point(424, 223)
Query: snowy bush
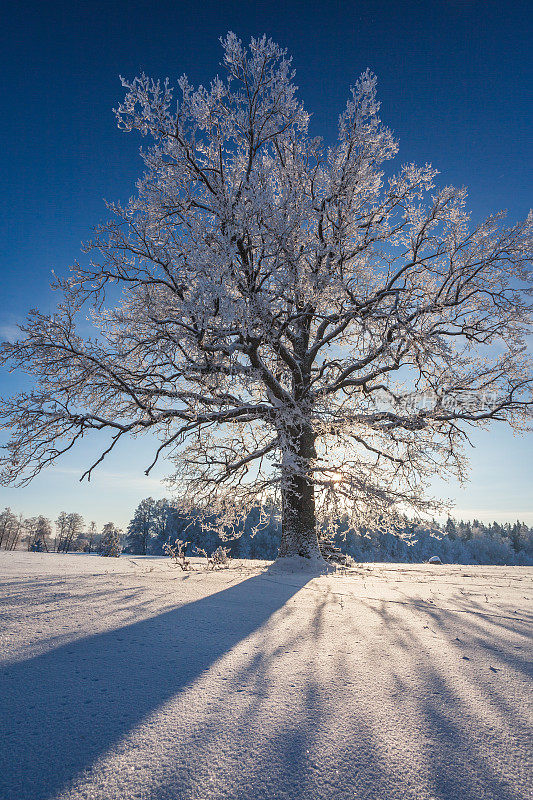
point(218, 558)
point(177, 552)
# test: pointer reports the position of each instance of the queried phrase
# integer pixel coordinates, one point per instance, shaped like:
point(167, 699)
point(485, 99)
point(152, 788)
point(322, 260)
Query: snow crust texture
point(126, 679)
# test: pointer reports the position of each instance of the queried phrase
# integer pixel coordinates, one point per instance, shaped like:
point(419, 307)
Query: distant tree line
point(69, 534)
point(157, 522)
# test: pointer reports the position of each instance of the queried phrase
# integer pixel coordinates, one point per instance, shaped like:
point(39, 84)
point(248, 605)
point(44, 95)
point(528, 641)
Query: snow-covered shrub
point(218, 558)
point(177, 551)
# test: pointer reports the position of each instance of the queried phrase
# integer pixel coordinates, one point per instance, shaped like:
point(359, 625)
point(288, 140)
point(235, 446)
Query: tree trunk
point(298, 530)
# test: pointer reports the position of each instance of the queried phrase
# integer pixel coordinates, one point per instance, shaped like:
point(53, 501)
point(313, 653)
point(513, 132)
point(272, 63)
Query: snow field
point(127, 679)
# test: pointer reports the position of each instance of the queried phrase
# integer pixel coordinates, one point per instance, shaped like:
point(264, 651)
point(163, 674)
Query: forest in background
point(158, 522)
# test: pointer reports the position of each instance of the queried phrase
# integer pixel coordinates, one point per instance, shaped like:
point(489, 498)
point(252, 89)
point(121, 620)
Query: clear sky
point(455, 82)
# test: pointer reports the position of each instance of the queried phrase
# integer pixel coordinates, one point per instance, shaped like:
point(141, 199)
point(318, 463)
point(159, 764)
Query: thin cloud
point(126, 481)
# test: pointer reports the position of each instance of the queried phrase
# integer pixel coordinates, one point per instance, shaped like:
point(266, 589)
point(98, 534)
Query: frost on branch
point(286, 306)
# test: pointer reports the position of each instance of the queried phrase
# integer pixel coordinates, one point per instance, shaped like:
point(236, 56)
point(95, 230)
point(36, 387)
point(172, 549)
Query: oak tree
point(293, 320)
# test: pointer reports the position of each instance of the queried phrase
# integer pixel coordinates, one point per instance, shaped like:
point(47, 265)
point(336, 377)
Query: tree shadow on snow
point(396, 701)
point(62, 710)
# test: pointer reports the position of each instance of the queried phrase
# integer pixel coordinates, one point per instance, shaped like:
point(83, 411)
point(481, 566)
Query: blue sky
point(455, 82)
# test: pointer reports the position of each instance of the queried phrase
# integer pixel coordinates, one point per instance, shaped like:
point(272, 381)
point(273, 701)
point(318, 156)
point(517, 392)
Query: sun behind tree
point(293, 324)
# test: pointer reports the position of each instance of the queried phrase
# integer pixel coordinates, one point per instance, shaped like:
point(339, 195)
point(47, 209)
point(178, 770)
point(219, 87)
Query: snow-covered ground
point(126, 679)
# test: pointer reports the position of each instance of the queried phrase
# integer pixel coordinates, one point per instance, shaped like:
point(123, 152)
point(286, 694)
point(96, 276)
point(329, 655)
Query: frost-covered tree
point(61, 524)
point(519, 535)
point(450, 528)
point(292, 319)
point(91, 536)
point(38, 529)
point(162, 524)
point(16, 532)
point(141, 527)
point(8, 525)
point(149, 527)
point(69, 528)
point(110, 544)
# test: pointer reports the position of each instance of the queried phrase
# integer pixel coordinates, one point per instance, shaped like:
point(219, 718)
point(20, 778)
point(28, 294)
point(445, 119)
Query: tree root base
point(315, 565)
